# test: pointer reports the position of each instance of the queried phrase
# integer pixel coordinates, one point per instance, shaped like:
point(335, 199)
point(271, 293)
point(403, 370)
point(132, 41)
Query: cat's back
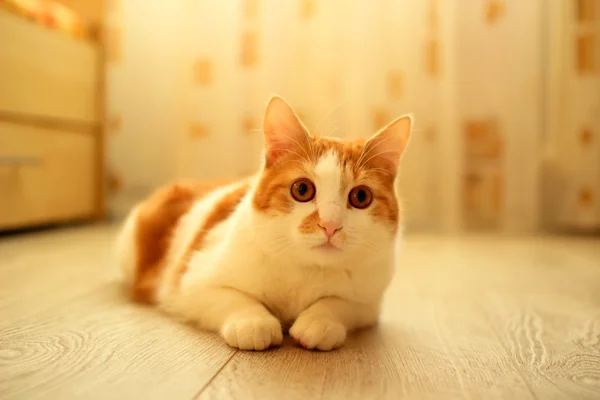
point(161, 229)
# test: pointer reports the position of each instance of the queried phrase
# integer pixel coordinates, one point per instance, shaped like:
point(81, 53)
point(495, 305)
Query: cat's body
point(250, 257)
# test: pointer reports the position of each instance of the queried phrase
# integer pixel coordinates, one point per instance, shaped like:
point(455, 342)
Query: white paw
point(253, 333)
point(315, 333)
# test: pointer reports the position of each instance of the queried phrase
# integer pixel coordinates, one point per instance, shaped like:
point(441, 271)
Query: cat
point(307, 244)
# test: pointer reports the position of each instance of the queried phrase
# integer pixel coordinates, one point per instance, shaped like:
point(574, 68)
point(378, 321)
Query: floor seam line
point(207, 384)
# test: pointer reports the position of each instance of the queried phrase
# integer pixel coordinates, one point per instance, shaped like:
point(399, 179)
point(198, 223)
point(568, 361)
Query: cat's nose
point(330, 227)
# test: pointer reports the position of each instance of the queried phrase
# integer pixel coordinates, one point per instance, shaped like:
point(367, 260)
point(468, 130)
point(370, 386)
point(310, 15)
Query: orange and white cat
point(309, 243)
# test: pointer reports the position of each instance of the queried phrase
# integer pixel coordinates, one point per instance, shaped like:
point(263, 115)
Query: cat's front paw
point(253, 333)
point(318, 333)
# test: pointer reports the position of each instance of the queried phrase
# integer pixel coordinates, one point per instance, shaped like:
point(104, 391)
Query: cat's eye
point(360, 197)
point(303, 190)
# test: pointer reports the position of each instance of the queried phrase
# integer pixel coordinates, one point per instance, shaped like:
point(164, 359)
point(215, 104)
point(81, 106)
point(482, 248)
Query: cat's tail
point(126, 249)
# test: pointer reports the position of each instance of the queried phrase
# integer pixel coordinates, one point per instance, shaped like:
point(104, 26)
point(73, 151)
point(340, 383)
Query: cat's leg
point(243, 321)
point(326, 322)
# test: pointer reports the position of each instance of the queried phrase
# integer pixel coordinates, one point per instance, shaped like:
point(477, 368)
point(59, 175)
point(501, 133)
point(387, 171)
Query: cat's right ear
point(283, 130)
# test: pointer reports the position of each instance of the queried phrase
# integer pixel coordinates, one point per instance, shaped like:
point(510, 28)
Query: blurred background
point(103, 101)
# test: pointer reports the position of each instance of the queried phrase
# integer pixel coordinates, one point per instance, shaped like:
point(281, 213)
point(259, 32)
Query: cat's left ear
point(386, 147)
point(283, 130)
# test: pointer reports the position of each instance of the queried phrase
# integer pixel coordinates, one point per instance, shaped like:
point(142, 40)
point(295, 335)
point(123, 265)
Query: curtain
point(187, 82)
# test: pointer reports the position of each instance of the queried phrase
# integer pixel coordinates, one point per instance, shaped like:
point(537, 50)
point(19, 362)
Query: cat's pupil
point(361, 196)
point(302, 189)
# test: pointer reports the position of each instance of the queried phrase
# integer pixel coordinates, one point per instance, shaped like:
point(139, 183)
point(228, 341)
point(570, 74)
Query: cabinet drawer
point(46, 73)
point(46, 175)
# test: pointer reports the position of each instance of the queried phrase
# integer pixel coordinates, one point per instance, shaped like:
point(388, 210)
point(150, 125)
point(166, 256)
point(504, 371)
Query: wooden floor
point(473, 318)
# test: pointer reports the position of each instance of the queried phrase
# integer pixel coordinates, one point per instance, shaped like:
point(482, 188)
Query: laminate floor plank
point(52, 267)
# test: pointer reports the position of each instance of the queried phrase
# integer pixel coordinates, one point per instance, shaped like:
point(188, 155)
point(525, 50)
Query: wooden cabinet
point(50, 126)
point(44, 72)
point(46, 175)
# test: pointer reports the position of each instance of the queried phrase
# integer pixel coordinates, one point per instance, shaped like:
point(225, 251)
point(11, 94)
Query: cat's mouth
point(328, 246)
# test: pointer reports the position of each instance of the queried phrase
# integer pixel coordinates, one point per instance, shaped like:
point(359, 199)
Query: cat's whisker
point(295, 153)
point(382, 170)
point(363, 153)
point(330, 113)
point(292, 139)
point(312, 149)
point(378, 154)
point(333, 132)
point(292, 161)
point(376, 142)
point(279, 246)
point(334, 127)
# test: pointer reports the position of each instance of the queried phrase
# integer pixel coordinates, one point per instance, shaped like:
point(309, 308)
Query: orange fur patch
point(310, 223)
point(274, 187)
point(156, 221)
point(222, 210)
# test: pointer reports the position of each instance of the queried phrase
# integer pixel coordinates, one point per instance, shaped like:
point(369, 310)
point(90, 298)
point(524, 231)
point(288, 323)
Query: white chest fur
point(287, 288)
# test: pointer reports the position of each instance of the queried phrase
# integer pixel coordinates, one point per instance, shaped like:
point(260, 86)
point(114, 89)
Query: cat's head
point(324, 198)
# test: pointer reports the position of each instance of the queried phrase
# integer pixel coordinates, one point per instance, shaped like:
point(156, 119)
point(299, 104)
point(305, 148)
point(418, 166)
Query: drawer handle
point(20, 161)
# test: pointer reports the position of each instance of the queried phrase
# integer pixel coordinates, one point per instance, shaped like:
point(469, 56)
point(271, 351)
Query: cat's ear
point(283, 130)
point(385, 148)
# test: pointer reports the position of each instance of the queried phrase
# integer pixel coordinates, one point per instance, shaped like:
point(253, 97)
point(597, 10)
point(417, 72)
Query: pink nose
point(330, 227)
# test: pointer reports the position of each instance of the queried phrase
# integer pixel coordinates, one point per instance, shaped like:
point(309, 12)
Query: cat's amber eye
point(303, 190)
point(360, 197)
